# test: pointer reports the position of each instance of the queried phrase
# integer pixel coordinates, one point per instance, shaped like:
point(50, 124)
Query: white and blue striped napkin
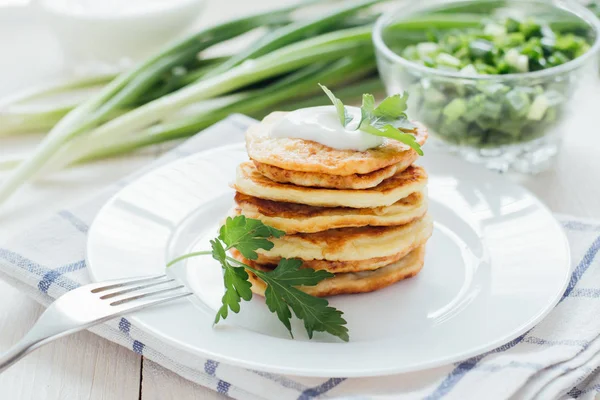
point(559, 358)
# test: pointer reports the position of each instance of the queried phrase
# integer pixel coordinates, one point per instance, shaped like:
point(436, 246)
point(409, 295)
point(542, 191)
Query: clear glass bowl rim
point(576, 9)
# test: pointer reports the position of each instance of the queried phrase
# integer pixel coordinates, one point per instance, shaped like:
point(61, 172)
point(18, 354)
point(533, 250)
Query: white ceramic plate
point(496, 265)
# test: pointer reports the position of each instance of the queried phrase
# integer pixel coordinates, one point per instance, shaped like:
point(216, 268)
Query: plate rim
point(349, 373)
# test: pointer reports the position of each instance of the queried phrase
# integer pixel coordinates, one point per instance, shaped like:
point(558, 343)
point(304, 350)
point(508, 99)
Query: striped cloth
point(556, 359)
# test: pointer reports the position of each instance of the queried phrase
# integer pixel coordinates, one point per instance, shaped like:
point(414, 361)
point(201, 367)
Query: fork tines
point(150, 289)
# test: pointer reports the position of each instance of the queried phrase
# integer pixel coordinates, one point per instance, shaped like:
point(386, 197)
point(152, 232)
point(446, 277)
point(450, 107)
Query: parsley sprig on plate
point(282, 296)
point(388, 119)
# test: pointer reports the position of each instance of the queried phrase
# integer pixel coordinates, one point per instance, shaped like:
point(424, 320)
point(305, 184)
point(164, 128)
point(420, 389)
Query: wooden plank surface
point(80, 366)
point(159, 383)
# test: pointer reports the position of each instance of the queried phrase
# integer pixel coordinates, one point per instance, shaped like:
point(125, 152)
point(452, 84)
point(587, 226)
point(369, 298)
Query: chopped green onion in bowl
point(504, 45)
point(492, 80)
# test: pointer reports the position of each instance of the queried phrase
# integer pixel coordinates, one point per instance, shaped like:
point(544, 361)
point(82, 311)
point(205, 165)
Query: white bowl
point(112, 30)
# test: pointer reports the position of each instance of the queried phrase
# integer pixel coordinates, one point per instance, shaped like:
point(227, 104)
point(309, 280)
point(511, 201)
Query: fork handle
point(46, 329)
point(18, 351)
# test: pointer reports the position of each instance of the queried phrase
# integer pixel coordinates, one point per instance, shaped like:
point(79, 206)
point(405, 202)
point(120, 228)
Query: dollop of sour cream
point(322, 125)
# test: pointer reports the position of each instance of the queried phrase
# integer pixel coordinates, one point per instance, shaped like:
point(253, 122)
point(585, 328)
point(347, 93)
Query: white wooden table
point(85, 366)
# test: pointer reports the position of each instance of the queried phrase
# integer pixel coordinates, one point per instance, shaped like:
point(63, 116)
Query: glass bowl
point(479, 116)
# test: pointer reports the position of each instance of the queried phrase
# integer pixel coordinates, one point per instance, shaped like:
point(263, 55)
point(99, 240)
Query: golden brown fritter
point(316, 179)
point(352, 244)
point(294, 218)
point(352, 282)
point(308, 156)
point(252, 183)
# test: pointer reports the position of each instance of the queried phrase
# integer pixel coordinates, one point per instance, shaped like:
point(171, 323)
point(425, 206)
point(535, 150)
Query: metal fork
point(92, 304)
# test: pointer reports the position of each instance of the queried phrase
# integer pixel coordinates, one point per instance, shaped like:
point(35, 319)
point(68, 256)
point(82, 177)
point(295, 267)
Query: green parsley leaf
point(278, 306)
point(288, 271)
point(342, 112)
point(247, 235)
point(391, 111)
point(392, 107)
point(393, 133)
point(281, 295)
point(236, 282)
point(388, 119)
point(367, 107)
point(368, 103)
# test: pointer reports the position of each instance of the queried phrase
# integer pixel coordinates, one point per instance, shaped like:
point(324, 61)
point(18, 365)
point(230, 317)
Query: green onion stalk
point(322, 48)
point(409, 31)
point(292, 33)
point(302, 84)
point(55, 88)
point(243, 102)
point(8, 163)
point(23, 121)
point(145, 105)
point(299, 84)
point(16, 117)
point(351, 93)
point(83, 121)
